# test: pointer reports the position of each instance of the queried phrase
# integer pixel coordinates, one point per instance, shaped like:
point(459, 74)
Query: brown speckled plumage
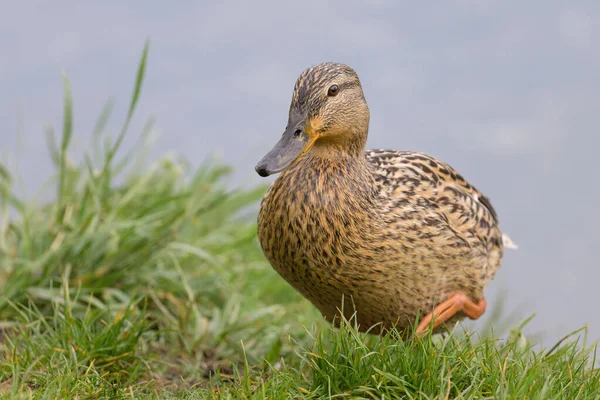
point(397, 232)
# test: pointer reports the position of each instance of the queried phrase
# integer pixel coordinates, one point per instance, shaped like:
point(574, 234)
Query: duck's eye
point(333, 90)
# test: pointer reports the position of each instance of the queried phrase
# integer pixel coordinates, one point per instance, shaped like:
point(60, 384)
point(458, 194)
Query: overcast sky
point(507, 92)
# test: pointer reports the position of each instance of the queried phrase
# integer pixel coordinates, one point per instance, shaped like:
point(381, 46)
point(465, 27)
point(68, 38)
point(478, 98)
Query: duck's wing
point(427, 191)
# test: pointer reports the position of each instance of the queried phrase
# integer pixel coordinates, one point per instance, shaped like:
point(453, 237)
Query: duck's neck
point(339, 155)
point(329, 170)
point(349, 146)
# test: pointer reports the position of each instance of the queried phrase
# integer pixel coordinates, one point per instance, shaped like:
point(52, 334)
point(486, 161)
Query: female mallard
point(390, 232)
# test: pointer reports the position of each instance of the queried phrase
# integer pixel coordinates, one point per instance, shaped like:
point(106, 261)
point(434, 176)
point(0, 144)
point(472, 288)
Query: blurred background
point(507, 92)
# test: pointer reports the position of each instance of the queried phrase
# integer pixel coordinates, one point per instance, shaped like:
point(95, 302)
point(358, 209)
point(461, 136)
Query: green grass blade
point(66, 136)
point(134, 99)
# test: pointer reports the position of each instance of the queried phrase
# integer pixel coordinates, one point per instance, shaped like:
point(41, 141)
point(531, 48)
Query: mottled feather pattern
point(392, 233)
point(397, 235)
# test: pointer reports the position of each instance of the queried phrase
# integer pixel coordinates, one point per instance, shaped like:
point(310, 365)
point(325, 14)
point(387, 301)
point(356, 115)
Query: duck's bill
point(292, 145)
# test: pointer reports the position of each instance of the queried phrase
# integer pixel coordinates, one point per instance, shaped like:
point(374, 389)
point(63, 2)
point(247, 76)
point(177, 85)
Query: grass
point(148, 282)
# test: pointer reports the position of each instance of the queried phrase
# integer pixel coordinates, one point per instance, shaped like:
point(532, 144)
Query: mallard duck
point(384, 235)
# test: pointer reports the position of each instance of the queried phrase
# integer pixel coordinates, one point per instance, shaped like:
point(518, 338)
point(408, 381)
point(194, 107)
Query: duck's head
point(328, 112)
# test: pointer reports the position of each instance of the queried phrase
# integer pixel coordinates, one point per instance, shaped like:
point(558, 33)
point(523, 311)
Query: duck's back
point(433, 206)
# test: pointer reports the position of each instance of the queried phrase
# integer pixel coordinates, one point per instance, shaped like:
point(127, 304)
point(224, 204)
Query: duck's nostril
point(297, 133)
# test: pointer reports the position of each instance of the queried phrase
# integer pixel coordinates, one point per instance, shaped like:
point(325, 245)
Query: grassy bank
point(148, 282)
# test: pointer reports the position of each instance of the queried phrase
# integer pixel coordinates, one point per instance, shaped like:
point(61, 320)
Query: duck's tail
point(508, 243)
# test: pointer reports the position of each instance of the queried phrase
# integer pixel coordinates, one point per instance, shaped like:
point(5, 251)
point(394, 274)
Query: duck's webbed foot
point(456, 303)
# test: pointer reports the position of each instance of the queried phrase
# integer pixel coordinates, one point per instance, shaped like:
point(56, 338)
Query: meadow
point(144, 279)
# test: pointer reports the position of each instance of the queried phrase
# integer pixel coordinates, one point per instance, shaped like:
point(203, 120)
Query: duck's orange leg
point(456, 303)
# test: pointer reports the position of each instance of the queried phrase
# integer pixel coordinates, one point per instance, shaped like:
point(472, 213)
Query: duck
point(391, 239)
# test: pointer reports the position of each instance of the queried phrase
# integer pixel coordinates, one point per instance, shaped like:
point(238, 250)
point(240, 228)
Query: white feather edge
point(508, 243)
